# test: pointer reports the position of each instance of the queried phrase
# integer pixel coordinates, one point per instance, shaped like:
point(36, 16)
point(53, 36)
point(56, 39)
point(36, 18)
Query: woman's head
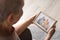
point(10, 9)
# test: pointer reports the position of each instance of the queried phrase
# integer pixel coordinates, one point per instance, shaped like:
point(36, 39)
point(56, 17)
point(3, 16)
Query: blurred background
point(50, 7)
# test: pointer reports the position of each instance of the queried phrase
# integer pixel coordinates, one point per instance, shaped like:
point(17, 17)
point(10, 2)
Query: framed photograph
point(44, 21)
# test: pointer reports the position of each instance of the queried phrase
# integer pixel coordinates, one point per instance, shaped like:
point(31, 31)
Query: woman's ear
point(10, 18)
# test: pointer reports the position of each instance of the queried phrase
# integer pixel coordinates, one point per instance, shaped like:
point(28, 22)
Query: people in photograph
point(45, 23)
point(41, 20)
point(10, 12)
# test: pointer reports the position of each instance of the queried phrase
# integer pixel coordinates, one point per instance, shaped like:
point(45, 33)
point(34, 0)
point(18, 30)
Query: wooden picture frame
point(44, 21)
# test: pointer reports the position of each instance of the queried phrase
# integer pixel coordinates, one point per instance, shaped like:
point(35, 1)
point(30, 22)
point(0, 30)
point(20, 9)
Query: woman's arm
point(50, 33)
point(21, 27)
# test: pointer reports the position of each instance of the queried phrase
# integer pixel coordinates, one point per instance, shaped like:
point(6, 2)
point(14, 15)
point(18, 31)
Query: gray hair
point(7, 6)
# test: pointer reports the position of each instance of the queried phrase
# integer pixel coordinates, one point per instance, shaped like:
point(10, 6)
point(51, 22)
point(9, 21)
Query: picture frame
point(44, 22)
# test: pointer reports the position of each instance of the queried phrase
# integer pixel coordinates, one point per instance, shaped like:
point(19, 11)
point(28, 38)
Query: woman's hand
point(34, 16)
point(50, 33)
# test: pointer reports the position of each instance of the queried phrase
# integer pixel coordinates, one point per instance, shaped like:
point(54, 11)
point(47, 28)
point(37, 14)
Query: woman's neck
point(5, 31)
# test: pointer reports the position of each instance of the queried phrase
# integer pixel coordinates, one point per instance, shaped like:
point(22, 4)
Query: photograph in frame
point(44, 21)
